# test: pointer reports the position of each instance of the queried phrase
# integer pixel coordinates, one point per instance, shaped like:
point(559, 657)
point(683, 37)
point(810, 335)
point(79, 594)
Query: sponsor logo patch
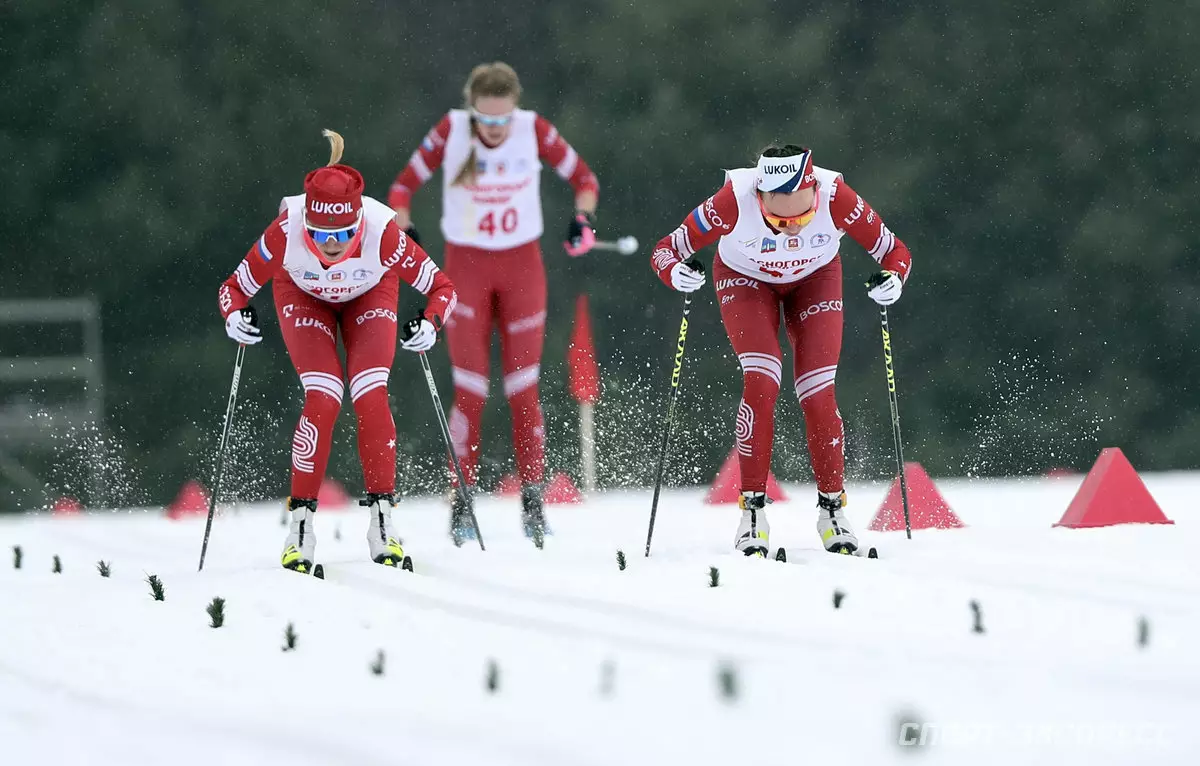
point(664, 258)
point(330, 208)
point(376, 314)
point(723, 284)
point(819, 240)
point(856, 213)
point(302, 322)
point(768, 245)
point(820, 308)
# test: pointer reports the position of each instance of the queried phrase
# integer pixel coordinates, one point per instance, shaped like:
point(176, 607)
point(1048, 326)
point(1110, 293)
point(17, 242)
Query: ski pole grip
point(412, 325)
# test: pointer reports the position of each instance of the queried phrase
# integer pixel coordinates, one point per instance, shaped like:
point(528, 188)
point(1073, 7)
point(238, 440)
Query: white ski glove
point(419, 335)
point(885, 287)
point(242, 326)
point(687, 276)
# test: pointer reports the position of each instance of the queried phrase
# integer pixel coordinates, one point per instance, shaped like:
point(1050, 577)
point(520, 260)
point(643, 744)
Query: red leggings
point(505, 289)
point(812, 312)
point(368, 325)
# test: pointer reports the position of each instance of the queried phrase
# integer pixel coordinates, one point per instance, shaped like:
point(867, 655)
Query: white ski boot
point(753, 532)
point(836, 533)
point(384, 545)
point(301, 541)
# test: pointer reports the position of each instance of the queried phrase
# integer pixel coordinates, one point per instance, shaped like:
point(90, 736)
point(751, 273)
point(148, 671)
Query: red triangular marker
point(332, 496)
point(192, 500)
point(561, 489)
point(66, 506)
point(727, 486)
point(927, 508)
point(1112, 493)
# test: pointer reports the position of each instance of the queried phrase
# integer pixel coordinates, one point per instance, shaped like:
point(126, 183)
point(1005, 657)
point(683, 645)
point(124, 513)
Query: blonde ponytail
point(494, 79)
point(468, 174)
point(337, 145)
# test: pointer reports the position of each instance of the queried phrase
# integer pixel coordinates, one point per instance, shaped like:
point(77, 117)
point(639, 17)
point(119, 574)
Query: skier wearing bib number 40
point(337, 258)
point(778, 227)
point(492, 154)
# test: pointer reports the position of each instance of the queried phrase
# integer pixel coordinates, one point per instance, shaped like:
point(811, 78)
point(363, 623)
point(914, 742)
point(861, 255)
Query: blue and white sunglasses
point(321, 236)
point(491, 120)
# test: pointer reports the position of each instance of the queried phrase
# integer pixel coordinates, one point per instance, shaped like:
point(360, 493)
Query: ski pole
point(220, 470)
point(892, 402)
point(670, 418)
point(626, 245)
point(463, 494)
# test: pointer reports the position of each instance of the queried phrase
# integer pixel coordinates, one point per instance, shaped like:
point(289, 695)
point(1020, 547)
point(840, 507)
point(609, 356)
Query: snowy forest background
point(1038, 158)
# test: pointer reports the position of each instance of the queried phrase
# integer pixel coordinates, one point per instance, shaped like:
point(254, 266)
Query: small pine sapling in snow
point(621, 560)
point(492, 679)
point(216, 611)
point(714, 577)
point(977, 614)
point(837, 599)
point(1143, 639)
point(57, 564)
point(156, 588)
point(289, 638)
point(104, 568)
point(377, 665)
point(18, 554)
point(727, 681)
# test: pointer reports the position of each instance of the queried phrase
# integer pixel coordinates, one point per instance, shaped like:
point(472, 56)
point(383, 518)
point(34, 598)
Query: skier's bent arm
point(421, 166)
point(413, 265)
point(855, 216)
point(712, 219)
point(262, 262)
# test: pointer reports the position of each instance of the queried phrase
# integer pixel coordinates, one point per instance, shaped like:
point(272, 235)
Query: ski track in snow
point(92, 671)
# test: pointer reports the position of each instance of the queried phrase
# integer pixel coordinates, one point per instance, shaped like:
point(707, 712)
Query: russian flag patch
point(701, 222)
point(263, 252)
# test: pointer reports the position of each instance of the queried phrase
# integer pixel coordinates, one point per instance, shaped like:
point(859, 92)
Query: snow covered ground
point(600, 666)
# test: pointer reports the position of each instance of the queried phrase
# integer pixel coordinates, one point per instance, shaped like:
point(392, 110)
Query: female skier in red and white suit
point(338, 258)
point(492, 153)
point(779, 225)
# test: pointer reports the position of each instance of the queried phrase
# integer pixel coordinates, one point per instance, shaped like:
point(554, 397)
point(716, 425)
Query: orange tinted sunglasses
point(783, 222)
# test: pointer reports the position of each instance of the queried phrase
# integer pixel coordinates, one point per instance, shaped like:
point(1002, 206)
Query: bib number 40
point(507, 222)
